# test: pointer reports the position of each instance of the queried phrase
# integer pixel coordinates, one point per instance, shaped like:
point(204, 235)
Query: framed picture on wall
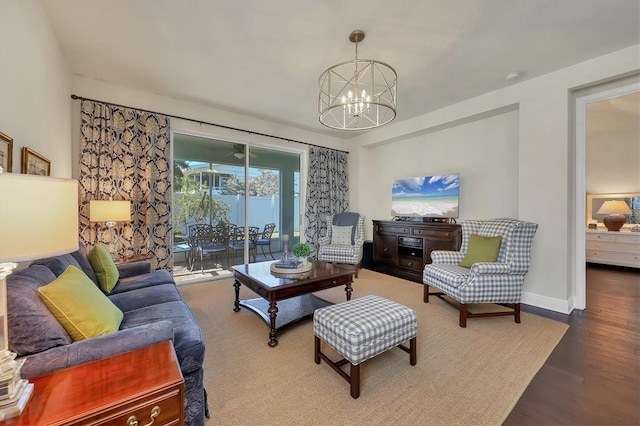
point(34, 163)
point(6, 152)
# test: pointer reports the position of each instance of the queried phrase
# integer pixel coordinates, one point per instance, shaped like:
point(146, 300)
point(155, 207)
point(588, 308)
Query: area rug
point(470, 376)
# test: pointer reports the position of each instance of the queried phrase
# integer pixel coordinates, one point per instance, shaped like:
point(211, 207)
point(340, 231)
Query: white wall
point(487, 162)
point(545, 163)
point(612, 151)
point(102, 91)
point(35, 83)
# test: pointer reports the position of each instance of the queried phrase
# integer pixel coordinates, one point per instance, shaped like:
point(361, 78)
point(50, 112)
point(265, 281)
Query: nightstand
point(143, 386)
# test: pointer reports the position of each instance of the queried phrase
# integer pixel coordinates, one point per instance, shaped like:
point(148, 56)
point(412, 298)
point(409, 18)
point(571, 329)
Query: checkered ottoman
point(361, 329)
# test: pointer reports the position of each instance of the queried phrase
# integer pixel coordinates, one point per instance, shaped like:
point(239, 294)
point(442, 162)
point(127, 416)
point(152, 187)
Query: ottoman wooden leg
point(355, 381)
point(412, 351)
point(316, 351)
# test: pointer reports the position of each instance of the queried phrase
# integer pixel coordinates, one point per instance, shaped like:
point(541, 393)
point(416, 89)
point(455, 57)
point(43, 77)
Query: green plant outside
point(195, 203)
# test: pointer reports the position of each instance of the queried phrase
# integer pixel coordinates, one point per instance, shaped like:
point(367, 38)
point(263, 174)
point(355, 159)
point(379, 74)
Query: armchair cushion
point(347, 219)
point(481, 249)
point(341, 234)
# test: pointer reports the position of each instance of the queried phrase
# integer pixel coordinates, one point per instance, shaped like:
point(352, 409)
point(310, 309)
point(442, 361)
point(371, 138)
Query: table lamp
point(38, 218)
point(615, 209)
point(110, 212)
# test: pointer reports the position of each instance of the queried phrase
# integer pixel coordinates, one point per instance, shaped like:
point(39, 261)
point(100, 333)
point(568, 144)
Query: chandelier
point(358, 94)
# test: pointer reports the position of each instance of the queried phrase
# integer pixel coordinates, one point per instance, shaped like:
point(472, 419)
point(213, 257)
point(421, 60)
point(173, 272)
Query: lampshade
point(109, 211)
point(615, 209)
point(358, 94)
point(38, 217)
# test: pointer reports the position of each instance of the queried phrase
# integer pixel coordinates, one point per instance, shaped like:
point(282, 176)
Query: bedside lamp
point(615, 210)
point(109, 211)
point(38, 218)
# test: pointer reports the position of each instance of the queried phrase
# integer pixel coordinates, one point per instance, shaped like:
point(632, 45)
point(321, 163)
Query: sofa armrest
point(131, 269)
point(96, 348)
point(446, 256)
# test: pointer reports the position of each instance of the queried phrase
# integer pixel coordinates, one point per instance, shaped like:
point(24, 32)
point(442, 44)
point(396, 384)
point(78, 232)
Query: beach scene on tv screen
point(427, 196)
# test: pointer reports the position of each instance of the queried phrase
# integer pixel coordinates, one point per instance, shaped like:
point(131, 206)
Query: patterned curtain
point(124, 155)
point(327, 191)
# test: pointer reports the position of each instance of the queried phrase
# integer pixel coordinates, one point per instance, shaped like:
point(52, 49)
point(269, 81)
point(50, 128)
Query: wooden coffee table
point(285, 299)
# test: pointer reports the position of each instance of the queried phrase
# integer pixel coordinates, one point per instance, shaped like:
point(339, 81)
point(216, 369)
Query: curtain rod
point(74, 97)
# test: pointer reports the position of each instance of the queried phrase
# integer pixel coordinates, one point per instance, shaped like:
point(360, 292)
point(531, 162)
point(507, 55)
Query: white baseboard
point(545, 302)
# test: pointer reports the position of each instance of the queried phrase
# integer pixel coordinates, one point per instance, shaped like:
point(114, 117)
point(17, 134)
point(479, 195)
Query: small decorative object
point(15, 392)
point(635, 228)
point(6, 152)
point(615, 209)
point(285, 247)
point(302, 251)
point(593, 224)
point(34, 163)
point(289, 268)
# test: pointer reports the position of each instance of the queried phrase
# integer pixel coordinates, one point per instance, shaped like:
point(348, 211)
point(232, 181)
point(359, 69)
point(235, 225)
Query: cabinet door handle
point(385, 249)
point(155, 412)
point(410, 263)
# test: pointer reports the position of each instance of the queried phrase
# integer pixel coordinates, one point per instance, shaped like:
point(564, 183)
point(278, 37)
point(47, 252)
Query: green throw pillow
point(104, 267)
point(79, 306)
point(341, 234)
point(481, 249)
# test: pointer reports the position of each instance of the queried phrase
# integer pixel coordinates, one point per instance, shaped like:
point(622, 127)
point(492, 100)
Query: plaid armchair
point(336, 248)
point(498, 282)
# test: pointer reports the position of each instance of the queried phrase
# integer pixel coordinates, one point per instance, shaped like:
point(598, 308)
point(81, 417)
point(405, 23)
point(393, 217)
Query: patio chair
point(208, 239)
point(264, 239)
point(237, 242)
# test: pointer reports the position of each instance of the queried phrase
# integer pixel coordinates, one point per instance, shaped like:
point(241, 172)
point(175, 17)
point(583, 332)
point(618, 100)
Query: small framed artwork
point(6, 152)
point(34, 163)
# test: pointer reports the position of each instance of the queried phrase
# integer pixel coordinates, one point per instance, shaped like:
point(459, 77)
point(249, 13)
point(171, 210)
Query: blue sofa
point(153, 312)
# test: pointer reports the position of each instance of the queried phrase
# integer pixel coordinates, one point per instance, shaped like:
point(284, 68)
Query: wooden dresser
point(143, 386)
point(613, 248)
point(403, 248)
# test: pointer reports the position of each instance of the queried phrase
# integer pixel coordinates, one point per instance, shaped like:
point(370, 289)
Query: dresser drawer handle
point(155, 412)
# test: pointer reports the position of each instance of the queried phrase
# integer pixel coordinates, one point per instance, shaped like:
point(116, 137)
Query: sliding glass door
point(246, 190)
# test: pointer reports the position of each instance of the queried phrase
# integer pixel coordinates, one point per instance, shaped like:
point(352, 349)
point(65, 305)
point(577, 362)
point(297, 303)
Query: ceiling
point(262, 58)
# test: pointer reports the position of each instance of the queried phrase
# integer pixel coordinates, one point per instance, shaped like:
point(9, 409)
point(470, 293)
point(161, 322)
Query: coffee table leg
point(348, 289)
point(236, 304)
point(273, 311)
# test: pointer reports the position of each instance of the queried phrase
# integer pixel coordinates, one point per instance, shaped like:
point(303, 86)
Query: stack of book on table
point(288, 264)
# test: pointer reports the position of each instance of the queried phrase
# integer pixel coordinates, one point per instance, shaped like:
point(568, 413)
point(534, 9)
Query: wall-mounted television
point(426, 196)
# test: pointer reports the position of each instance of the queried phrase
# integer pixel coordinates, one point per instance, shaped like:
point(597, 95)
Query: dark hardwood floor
point(593, 375)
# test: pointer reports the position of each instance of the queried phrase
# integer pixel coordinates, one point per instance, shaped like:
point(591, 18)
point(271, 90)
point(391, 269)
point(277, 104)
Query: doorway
point(578, 296)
